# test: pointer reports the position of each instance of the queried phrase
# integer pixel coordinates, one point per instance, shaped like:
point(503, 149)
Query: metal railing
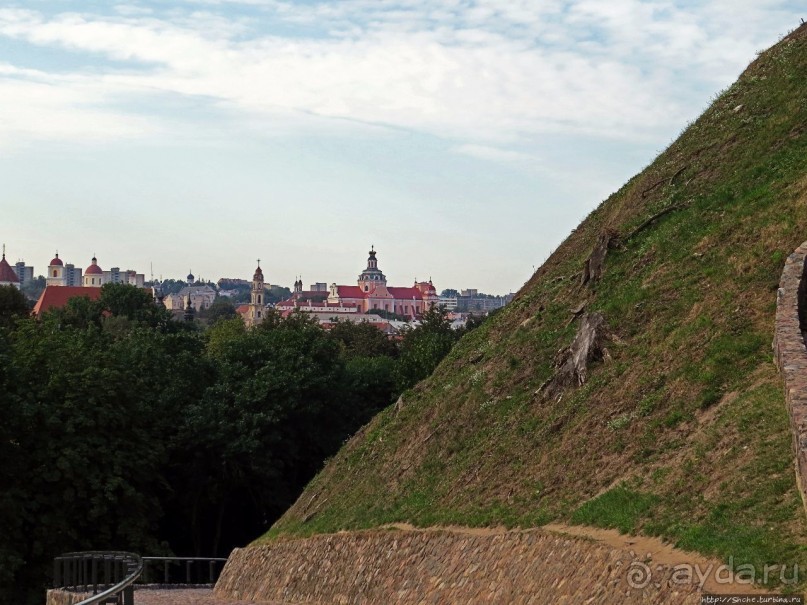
point(109, 575)
point(192, 572)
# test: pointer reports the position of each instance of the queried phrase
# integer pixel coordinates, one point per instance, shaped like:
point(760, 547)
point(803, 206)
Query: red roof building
point(7, 275)
point(56, 297)
point(372, 293)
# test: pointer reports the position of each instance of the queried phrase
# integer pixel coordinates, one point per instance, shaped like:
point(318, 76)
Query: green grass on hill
point(682, 431)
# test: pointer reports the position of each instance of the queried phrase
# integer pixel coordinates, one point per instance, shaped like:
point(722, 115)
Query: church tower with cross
point(257, 302)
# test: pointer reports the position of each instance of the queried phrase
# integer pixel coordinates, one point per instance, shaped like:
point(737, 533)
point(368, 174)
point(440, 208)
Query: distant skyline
point(464, 139)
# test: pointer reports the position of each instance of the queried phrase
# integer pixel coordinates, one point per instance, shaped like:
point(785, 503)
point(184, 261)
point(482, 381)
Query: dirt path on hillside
point(187, 596)
point(650, 551)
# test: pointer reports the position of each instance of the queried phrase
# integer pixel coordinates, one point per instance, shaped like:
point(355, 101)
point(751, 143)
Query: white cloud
point(483, 73)
point(35, 106)
point(496, 154)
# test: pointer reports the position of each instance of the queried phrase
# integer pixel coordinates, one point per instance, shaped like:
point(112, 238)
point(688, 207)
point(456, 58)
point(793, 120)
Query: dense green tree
point(94, 431)
point(125, 429)
point(261, 431)
point(422, 348)
point(13, 306)
point(362, 339)
point(221, 309)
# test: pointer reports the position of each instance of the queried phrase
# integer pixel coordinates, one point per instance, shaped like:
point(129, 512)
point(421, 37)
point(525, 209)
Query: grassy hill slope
point(681, 430)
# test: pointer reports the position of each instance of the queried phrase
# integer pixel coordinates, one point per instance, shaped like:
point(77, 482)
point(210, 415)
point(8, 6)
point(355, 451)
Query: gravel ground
point(185, 596)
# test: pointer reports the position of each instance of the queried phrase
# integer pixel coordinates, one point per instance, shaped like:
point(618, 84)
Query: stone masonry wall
point(791, 355)
point(57, 596)
point(444, 567)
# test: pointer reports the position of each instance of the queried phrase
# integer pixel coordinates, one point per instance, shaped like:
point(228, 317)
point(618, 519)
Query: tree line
point(125, 429)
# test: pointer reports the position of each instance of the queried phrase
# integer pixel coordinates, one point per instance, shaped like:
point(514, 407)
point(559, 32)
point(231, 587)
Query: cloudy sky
point(463, 138)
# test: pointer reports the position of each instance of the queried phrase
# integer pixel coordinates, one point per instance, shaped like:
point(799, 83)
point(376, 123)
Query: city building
point(25, 274)
point(72, 275)
point(129, 276)
point(201, 296)
point(60, 274)
point(449, 302)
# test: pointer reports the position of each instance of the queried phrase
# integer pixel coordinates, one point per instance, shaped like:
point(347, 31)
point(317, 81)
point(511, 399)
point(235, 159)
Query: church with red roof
point(371, 292)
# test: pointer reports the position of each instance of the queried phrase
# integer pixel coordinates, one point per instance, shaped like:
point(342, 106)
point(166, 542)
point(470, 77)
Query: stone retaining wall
point(791, 355)
point(444, 567)
point(58, 596)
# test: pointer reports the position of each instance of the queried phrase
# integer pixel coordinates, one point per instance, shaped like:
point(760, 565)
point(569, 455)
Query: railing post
point(128, 596)
point(165, 568)
point(212, 569)
point(107, 571)
point(94, 574)
point(188, 571)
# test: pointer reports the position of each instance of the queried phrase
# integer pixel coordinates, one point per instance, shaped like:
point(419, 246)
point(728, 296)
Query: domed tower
point(190, 279)
point(372, 277)
point(56, 276)
point(298, 286)
point(257, 302)
point(94, 275)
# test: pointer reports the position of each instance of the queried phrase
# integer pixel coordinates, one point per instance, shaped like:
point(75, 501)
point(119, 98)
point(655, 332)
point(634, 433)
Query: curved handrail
point(134, 564)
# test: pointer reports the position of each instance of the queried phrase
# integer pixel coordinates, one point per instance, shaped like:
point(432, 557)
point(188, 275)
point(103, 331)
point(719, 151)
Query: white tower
point(56, 276)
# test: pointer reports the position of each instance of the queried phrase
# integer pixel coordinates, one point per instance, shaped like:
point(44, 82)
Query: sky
point(464, 139)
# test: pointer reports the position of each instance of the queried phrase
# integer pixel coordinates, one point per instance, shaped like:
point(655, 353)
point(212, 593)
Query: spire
point(189, 310)
point(372, 272)
point(4, 251)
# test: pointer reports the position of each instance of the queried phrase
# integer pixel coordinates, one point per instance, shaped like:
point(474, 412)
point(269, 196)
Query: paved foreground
point(191, 596)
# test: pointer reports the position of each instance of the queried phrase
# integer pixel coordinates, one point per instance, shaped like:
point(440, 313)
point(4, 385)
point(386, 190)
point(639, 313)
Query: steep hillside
point(681, 429)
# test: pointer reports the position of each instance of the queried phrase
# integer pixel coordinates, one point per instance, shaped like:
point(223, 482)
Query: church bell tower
point(257, 303)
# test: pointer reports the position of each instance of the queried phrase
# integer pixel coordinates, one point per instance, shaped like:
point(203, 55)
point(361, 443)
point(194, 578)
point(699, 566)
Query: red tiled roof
point(93, 270)
point(242, 309)
point(406, 293)
point(7, 273)
point(349, 292)
point(398, 293)
point(56, 297)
